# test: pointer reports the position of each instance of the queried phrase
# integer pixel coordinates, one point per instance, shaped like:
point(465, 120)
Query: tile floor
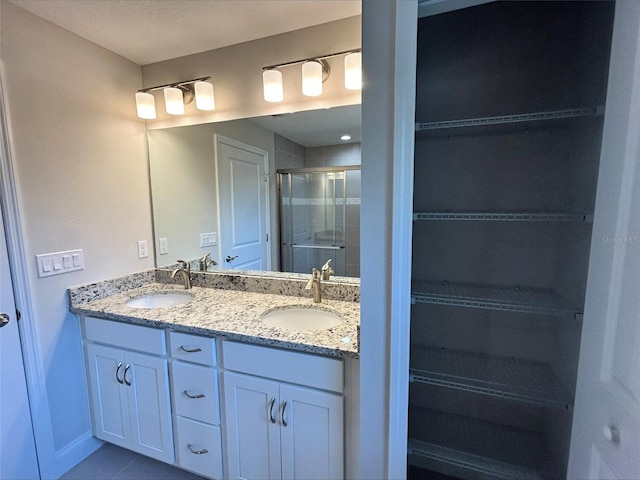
point(114, 463)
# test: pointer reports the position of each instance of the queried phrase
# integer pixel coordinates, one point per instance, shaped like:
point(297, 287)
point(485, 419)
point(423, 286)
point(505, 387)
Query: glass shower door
point(312, 219)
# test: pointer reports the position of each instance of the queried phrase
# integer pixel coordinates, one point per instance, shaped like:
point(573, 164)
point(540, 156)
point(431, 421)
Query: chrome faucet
point(185, 270)
point(327, 271)
point(205, 262)
point(314, 284)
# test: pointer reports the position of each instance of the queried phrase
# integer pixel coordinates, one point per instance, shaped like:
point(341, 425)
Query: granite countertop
point(234, 315)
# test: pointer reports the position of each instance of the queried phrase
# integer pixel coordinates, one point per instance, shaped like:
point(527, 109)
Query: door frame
point(218, 139)
point(34, 371)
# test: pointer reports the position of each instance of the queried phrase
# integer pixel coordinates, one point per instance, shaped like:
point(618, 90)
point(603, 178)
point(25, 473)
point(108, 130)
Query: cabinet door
point(147, 384)
point(110, 409)
point(312, 434)
point(252, 427)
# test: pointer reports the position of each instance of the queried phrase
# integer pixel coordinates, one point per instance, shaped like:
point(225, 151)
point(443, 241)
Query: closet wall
point(509, 116)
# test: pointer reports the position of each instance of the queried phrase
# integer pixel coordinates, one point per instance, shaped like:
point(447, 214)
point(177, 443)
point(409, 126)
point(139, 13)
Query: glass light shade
point(312, 79)
point(173, 101)
point(353, 71)
point(272, 85)
point(146, 105)
point(204, 96)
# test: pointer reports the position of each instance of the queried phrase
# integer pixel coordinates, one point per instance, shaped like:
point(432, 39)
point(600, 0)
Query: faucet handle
point(327, 271)
point(184, 265)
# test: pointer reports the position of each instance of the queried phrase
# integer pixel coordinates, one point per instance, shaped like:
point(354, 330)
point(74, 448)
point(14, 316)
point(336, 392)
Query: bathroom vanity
point(199, 379)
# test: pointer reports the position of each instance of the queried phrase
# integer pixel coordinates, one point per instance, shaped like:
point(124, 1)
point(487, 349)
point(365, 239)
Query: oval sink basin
point(160, 300)
point(301, 319)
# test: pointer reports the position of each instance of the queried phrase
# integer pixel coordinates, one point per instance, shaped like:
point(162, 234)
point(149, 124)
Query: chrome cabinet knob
point(611, 434)
point(4, 319)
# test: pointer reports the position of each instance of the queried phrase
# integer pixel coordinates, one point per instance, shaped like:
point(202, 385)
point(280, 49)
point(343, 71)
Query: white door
point(17, 448)
point(243, 204)
point(109, 402)
point(605, 441)
point(252, 427)
point(146, 380)
point(311, 434)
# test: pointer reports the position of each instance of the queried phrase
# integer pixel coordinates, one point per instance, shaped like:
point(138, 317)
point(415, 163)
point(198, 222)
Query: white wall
point(82, 176)
point(388, 112)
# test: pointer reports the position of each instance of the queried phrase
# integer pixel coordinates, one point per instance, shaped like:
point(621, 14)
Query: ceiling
point(149, 31)
point(314, 128)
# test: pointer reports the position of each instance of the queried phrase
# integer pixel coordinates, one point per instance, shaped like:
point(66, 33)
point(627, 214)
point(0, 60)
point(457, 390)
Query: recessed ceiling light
point(345, 137)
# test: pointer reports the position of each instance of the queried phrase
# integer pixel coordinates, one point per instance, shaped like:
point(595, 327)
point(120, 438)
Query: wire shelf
point(502, 377)
point(508, 119)
point(437, 438)
point(505, 216)
point(489, 297)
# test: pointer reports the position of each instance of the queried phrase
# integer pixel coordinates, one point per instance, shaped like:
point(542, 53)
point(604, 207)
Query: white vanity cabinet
point(284, 414)
point(196, 409)
point(129, 389)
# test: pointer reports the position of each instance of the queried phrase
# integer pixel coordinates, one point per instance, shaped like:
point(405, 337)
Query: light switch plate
point(209, 239)
point(163, 244)
point(143, 249)
point(59, 262)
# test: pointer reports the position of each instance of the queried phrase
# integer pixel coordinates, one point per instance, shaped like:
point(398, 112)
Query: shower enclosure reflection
point(320, 219)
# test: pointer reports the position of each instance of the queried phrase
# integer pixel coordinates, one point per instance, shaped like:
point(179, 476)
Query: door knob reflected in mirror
point(230, 258)
point(4, 319)
point(611, 434)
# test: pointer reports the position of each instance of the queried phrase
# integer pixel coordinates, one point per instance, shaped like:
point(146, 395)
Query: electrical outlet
point(143, 249)
point(164, 246)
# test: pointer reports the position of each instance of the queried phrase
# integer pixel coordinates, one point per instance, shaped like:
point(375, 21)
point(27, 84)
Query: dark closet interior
point(509, 110)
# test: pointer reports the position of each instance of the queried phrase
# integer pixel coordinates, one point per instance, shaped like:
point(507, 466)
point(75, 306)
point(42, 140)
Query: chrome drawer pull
point(118, 370)
point(284, 420)
point(191, 395)
point(197, 452)
point(124, 375)
point(190, 350)
point(271, 403)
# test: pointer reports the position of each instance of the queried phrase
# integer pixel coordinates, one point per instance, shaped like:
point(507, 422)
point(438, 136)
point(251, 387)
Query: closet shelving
point(515, 299)
point(508, 128)
point(504, 216)
point(486, 449)
point(511, 119)
point(503, 377)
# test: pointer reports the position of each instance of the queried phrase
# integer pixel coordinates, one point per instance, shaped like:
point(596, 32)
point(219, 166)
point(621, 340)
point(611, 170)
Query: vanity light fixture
point(272, 85)
point(353, 71)
point(315, 71)
point(312, 73)
point(176, 96)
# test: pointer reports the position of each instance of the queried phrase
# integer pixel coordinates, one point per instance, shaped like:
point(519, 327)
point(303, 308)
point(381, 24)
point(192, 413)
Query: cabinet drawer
point(195, 392)
point(193, 348)
point(125, 335)
point(285, 365)
point(199, 447)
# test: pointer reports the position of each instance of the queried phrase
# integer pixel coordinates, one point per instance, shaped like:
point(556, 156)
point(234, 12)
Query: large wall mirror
point(277, 193)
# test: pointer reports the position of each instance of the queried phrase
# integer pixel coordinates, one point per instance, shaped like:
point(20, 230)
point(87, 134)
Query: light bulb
point(204, 96)
point(272, 85)
point(146, 106)
point(312, 78)
point(353, 71)
point(173, 101)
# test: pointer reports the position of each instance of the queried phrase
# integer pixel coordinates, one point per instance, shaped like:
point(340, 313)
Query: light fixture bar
point(175, 84)
point(321, 57)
